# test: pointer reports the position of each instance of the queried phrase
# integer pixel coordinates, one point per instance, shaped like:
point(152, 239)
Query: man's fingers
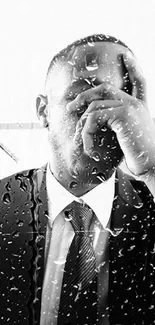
point(102, 104)
point(94, 122)
point(90, 124)
point(93, 115)
point(104, 91)
point(135, 75)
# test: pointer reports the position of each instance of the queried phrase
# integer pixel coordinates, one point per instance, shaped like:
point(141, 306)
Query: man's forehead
point(91, 55)
point(91, 64)
point(97, 59)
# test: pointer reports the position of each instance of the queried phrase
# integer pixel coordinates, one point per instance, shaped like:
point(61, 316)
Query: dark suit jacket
point(23, 220)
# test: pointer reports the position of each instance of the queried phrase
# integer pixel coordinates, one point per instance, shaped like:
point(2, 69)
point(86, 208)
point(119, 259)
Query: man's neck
point(80, 184)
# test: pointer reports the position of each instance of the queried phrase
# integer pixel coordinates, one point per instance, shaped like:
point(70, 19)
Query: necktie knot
point(79, 215)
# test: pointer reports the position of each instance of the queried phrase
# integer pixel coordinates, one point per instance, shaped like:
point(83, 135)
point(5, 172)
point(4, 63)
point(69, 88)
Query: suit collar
point(59, 198)
point(123, 186)
point(125, 197)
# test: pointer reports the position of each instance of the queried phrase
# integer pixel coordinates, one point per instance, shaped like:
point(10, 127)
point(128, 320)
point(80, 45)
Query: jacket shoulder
point(133, 186)
point(15, 181)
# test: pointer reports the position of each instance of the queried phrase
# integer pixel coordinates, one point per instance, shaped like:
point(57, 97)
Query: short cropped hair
point(63, 54)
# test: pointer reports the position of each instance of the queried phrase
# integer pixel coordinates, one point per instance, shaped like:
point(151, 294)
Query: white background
point(31, 32)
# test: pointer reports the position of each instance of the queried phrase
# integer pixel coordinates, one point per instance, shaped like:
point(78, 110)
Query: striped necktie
point(78, 300)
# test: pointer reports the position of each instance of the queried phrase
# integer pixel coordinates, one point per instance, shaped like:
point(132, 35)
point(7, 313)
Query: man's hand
point(125, 114)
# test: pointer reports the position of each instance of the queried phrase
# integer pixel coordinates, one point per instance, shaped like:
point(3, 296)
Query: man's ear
point(41, 106)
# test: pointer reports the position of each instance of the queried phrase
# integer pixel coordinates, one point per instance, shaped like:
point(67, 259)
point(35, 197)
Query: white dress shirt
point(60, 235)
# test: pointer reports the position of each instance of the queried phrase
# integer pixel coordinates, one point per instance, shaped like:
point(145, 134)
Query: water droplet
point(91, 62)
point(88, 81)
point(120, 253)
point(94, 171)
point(10, 242)
point(101, 141)
point(70, 62)
point(39, 238)
point(101, 177)
point(14, 288)
point(16, 211)
point(91, 44)
point(23, 186)
point(91, 67)
point(8, 186)
point(20, 223)
point(60, 174)
point(74, 173)
point(6, 198)
point(139, 205)
point(125, 139)
point(12, 278)
point(88, 166)
point(134, 217)
point(96, 156)
point(115, 232)
point(73, 185)
point(141, 154)
point(90, 182)
point(140, 134)
point(68, 215)
point(131, 247)
point(15, 234)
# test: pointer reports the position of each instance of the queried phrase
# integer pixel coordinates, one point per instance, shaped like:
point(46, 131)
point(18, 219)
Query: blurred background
point(31, 32)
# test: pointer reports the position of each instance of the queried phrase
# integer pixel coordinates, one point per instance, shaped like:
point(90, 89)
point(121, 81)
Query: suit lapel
point(41, 214)
point(127, 253)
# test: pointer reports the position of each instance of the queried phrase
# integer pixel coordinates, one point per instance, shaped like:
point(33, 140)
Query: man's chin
point(79, 165)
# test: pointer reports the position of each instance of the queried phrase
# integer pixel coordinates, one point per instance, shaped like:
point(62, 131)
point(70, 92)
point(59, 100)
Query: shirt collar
point(100, 199)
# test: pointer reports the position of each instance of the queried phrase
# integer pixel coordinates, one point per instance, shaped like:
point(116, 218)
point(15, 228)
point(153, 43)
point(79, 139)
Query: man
point(77, 244)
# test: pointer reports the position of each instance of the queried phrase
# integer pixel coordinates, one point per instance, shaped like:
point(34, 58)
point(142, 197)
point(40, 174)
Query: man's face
point(87, 66)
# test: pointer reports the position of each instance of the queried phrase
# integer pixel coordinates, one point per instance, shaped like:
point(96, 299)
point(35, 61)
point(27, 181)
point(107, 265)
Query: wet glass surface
point(89, 263)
